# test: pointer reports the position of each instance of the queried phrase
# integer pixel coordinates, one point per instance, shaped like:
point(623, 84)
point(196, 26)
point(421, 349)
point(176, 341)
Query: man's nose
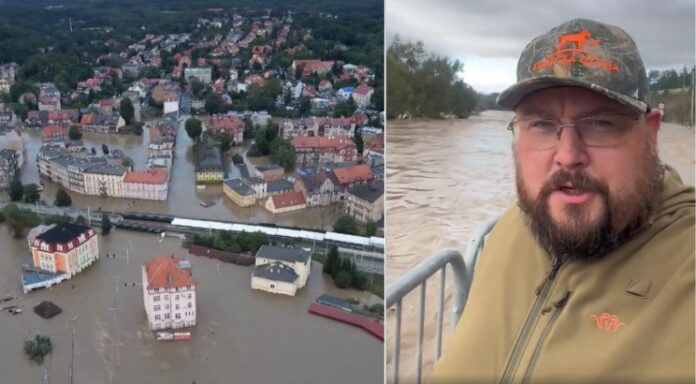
point(571, 151)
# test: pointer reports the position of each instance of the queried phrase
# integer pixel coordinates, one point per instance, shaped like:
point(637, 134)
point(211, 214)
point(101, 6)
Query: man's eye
point(543, 125)
point(598, 124)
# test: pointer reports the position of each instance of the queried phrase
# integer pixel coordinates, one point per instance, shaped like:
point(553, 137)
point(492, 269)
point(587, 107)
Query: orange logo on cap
point(607, 322)
point(570, 50)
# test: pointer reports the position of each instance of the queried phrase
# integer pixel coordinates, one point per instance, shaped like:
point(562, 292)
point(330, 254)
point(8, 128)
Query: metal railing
point(463, 272)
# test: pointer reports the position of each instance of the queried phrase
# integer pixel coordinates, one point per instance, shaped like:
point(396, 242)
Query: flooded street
point(184, 199)
point(242, 336)
point(444, 180)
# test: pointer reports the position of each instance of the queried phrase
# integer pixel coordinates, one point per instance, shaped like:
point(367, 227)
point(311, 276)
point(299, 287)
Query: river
point(242, 336)
point(444, 180)
point(184, 198)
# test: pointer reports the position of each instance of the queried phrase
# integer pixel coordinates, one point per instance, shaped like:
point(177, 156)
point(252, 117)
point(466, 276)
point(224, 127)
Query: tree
point(37, 348)
point(127, 162)
point(346, 224)
point(371, 228)
point(105, 224)
point(81, 220)
point(193, 128)
point(31, 193)
point(305, 106)
point(214, 103)
point(74, 133)
point(283, 153)
point(248, 128)
point(105, 149)
point(345, 108)
point(127, 111)
point(343, 279)
point(94, 151)
point(359, 143)
point(62, 198)
point(16, 190)
point(197, 86)
point(333, 262)
point(225, 142)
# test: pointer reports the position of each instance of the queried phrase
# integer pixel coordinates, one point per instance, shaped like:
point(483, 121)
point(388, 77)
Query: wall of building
point(273, 286)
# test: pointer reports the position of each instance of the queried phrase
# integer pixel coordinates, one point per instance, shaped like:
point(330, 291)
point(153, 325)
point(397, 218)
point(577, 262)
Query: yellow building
point(240, 193)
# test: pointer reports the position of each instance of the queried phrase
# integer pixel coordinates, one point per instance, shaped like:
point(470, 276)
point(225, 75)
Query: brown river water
point(444, 180)
point(242, 336)
point(184, 198)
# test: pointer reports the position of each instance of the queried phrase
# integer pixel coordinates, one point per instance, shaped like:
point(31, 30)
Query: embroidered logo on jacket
point(607, 322)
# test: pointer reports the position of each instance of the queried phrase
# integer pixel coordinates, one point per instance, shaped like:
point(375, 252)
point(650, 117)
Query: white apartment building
point(169, 293)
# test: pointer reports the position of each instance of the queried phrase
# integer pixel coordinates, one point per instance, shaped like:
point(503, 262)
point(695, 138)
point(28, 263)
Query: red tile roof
point(52, 131)
point(363, 90)
point(164, 272)
point(321, 142)
point(353, 174)
point(288, 199)
point(151, 176)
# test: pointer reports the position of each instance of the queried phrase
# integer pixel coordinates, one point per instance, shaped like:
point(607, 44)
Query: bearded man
point(590, 277)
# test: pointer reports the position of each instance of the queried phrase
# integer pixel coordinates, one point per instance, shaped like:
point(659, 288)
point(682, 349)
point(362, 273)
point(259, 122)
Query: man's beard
point(624, 213)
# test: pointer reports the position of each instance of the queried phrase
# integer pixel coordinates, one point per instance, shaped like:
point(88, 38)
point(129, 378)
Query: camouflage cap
point(582, 53)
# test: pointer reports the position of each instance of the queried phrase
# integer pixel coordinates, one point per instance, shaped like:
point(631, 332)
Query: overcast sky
point(489, 35)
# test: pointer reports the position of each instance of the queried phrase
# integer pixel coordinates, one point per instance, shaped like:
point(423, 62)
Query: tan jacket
point(627, 318)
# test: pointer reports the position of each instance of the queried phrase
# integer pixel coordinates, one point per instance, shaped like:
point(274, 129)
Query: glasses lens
point(604, 131)
point(536, 133)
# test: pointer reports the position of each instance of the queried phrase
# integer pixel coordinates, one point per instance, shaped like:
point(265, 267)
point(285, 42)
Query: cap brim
point(512, 96)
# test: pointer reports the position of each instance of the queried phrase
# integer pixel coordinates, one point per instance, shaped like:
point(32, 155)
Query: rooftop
point(164, 272)
point(368, 192)
point(288, 199)
point(63, 233)
point(239, 187)
point(353, 174)
point(151, 176)
point(276, 271)
point(283, 254)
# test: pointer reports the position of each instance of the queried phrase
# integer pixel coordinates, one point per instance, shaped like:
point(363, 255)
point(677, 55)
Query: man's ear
point(653, 119)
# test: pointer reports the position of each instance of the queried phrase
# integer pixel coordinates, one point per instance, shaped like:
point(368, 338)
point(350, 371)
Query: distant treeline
point(425, 85)
point(670, 79)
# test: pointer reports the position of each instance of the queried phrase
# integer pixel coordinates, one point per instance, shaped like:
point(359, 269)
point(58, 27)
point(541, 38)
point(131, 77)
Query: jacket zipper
point(542, 293)
point(557, 307)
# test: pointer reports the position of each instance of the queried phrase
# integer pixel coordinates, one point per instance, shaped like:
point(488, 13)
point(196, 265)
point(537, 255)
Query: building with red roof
point(225, 124)
point(318, 150)
point(362, 95)
point(169, 293)
point(152, 184)
point(286, 202)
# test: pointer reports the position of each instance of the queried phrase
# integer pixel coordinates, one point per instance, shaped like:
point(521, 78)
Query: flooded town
point(193, 196)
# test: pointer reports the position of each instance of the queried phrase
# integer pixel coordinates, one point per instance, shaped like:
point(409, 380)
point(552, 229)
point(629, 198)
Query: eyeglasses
point(595, 131)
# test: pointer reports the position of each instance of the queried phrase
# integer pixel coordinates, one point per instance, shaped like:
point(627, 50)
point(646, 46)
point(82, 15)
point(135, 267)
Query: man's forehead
point(574, 100)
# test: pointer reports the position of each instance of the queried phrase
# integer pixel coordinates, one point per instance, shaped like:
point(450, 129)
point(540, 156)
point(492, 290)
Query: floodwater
point(242, 336)
point(184, 198)
point(444, 180)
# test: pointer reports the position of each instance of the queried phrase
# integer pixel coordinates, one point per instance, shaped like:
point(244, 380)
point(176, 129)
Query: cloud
point(491, 34)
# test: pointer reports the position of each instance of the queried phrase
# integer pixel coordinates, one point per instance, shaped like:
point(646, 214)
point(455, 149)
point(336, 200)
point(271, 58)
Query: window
point(166, 315)
point(157, 308)
point(166, 306)
point(157, 317)
point(189, 296)
point(190, 305)
point(177, 306)
point(176, 297)
point(272, 286)
point(156, 298)
point(177, 316)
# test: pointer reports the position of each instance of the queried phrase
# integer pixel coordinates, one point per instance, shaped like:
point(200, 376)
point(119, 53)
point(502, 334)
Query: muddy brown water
point(184, 198)
point(444, 180)
point(242, 336)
